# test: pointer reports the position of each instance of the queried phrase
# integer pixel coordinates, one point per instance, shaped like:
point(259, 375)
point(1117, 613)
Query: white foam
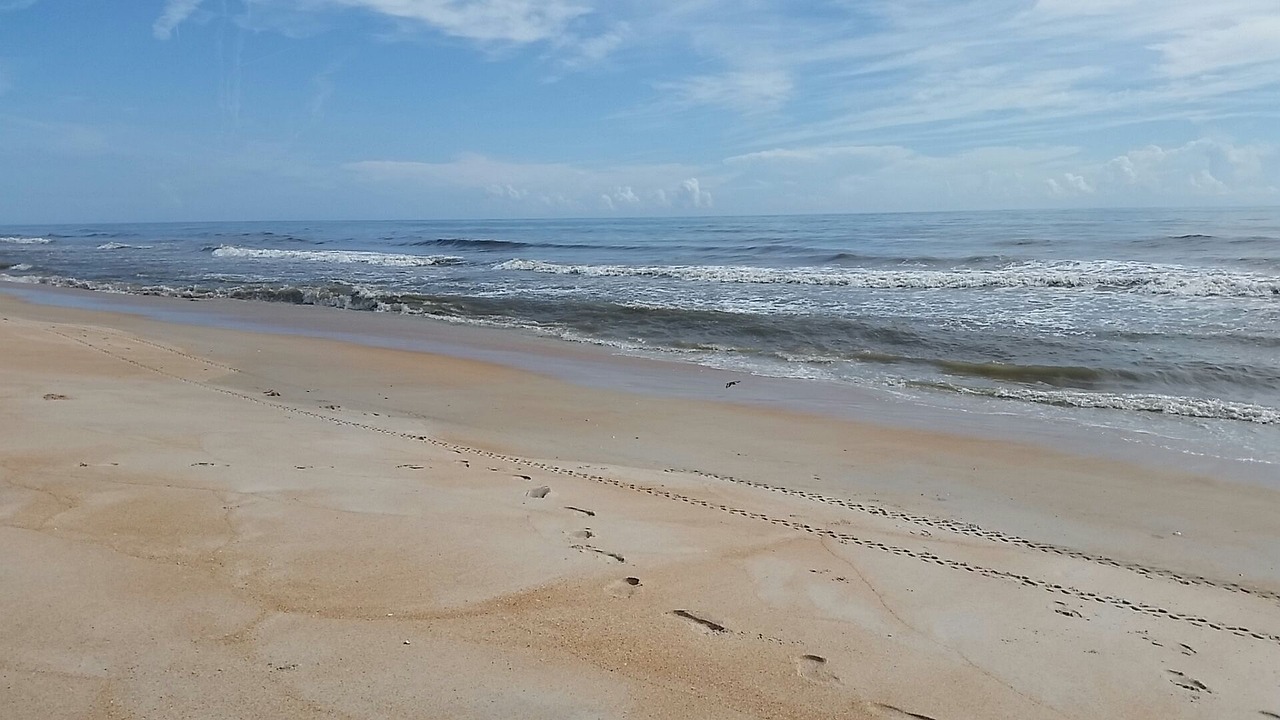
point(339, 256)
point(123, 246)
point(26, 240)
point(1207, 408)
point(1099, 274)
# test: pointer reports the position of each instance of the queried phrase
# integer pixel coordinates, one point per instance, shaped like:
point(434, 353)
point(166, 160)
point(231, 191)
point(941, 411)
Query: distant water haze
point(1160, 321)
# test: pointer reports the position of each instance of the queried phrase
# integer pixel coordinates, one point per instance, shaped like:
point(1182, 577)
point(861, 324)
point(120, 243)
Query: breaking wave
point(338, 256)
point(13, 240)
point(477, 243)
point(1194, 407)
point(1093, 275)
point(123, 246)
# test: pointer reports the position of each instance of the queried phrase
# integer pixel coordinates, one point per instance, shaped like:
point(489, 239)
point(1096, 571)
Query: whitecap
point(338, 256)
point(1091, 275)
point(1194, 407)
point(122, 246)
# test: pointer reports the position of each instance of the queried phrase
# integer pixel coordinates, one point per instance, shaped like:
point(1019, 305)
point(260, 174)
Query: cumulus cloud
point(1078, 182)
point(540, 186)
point(856, 178)
point(621, 197)
point(1200, 167)
point(174, 14)
point(691, 194)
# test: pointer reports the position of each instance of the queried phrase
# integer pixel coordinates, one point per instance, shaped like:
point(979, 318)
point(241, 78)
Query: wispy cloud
point(745, 91)
point(964, 72)
point(174, 14)
point(16, 4)
point(322, 87)
point(507, 21)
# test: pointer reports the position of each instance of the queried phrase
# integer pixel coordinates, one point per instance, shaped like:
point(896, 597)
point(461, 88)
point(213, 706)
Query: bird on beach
point(731, 383)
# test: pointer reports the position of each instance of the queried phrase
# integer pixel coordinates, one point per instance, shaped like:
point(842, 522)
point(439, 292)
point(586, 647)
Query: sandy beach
point(201, 522)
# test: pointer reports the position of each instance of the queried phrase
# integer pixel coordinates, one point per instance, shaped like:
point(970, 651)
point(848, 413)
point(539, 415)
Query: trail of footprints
point(972, 530)
point(847, 538)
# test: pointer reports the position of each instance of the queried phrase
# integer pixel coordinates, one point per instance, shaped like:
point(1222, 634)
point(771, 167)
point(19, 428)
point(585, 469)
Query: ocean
point(1161, 323)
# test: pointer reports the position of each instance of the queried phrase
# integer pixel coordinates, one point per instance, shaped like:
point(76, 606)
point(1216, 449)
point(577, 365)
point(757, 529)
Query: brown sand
point(202, 523)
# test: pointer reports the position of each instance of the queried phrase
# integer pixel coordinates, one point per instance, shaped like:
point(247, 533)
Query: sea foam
point(123, 246)
point(1206, 408)
point(12, 240)
point(338, 256)
point(1094, 275)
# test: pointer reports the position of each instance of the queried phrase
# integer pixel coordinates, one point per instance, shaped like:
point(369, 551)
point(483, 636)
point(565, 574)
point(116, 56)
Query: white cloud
point(585, 52)
point(746, 91)
point(844, 178)
point(515, 21)
point(974, 73)
point(691, 194)
point(1248, 41)
point(534, 186)
point(621, 198)
point(322, 87)
point(856, 178)
point(1198, 168)
point(1078, 182)
point(174, 14)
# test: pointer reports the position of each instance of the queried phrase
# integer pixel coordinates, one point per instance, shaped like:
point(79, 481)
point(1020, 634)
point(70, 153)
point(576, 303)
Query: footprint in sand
point(539, 492)
point(699, 623)
point(814, 669)
point(592, 549)
point(624, 588)
point(583, 534)
point(1187, 683)
point(889, 712)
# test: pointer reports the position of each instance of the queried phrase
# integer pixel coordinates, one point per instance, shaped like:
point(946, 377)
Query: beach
point(205, 522)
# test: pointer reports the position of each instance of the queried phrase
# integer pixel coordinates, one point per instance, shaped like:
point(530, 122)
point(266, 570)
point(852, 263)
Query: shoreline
point(295, 511)
point(603, 367)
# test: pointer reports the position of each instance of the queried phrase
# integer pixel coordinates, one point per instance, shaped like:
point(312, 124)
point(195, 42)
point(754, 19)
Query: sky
point(159, 110)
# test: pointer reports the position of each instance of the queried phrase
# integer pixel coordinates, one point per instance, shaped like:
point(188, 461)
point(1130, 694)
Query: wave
point(489, 244)
point(1092, 275)
point(1046, 374)
point(13, 240)
point(478, 243)
point(123, 246)
point(1194, 407)
point(338, 256)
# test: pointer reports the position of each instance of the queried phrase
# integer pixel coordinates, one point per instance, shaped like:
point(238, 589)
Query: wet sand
point(203, 522)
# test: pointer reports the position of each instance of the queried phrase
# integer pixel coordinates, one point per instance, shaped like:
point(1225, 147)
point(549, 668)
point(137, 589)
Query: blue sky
point(365, 109)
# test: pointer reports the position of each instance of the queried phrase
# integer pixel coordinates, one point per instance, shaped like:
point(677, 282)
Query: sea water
point(1164, 324)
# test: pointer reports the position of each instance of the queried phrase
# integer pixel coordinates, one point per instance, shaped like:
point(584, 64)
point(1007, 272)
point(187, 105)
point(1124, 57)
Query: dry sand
point(201, 523)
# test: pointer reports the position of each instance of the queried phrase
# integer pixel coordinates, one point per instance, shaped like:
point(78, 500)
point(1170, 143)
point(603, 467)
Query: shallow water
point(1163, 323)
